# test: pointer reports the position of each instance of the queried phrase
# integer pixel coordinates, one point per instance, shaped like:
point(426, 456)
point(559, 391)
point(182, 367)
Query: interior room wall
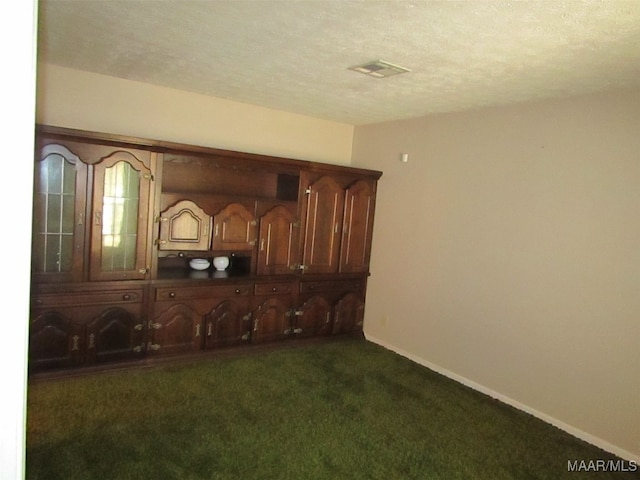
point(512, 237)
point(87, 101)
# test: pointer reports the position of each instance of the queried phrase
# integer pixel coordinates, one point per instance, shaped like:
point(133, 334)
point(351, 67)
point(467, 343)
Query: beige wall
point(76, 99)
point(512, 236)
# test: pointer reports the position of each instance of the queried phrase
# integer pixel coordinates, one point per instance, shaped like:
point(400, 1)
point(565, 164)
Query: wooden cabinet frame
point(298, 234)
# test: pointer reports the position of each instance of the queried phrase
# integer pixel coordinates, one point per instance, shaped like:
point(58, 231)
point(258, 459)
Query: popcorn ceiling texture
point(294, 55)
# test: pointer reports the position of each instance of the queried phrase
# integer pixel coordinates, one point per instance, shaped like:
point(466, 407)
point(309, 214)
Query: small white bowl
point(199, 263)
point(221, 263)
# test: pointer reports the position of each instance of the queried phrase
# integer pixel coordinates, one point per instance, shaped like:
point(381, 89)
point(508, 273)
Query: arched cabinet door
point(59, 209)
point(349, 314)
point(271, 320)
point(185, 226)
point(313, 317)
point(116, 333)
point(357, 227)
point(234, 228)
point(229, 323)
point(323, 226)
point(175, 329)
point(55, 341)
point(277, 242)
point(120, 217)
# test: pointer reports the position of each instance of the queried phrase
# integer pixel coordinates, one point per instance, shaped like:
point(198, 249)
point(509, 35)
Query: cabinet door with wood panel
point(234, 228)
point(56, 339)
point(323, 213)
point(357, 227)
point(314, 317)
point(116, 332)
point(277, 241)
point(272, 315)
point(349, 314)
point(185, 226)
point(121, 211)
point(175, 328)
point(228, 323)
point(59, 211)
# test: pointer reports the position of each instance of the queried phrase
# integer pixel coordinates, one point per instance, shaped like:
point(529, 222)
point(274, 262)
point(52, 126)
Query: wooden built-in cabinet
point(117, 219)
point(86, 325)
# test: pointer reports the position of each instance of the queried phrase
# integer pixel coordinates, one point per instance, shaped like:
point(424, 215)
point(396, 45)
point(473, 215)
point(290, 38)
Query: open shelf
point(195, 175)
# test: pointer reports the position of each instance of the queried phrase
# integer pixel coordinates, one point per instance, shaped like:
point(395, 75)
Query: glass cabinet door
point(121, 200)
point(58, 215)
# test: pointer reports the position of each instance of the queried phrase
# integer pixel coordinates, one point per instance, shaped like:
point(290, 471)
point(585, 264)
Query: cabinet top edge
point(162, 146)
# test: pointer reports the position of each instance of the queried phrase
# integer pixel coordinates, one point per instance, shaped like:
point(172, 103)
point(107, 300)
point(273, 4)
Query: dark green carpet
point(341, 410)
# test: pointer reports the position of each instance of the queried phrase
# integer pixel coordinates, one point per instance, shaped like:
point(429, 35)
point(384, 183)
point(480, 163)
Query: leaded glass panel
point(120, 217)
point(54, 214)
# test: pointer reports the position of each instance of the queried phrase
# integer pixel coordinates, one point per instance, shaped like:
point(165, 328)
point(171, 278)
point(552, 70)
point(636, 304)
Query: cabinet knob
point(172, 294)
point(274, 289)
point(237, 291)
point(126, 296)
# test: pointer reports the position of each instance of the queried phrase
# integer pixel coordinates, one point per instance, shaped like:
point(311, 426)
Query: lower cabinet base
point(199, 356)
point(112, 325)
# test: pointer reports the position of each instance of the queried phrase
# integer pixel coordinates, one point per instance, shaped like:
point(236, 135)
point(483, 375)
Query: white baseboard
point(587, 437)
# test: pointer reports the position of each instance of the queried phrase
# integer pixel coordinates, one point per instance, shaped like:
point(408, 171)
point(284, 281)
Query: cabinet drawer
point(331, 286)
point(185, 293)
point(273, 288)
point(86, 298)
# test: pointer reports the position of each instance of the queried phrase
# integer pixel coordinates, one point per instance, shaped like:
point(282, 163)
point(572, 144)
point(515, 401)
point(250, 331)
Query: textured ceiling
point(294, 55)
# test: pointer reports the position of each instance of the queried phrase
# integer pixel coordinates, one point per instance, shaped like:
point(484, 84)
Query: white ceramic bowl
point(221, 263)
point(199, 263)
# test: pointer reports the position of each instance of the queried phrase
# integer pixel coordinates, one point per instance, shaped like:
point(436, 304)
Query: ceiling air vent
point(379, 69)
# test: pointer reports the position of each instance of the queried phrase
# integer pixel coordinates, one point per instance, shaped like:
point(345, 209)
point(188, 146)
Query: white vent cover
point(379, 69)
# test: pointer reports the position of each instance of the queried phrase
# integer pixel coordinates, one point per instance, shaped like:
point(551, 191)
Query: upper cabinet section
point(338, 224)
point(91, 211)
point(118, 208)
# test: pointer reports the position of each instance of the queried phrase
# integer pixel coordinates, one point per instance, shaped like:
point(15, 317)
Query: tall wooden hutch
point(117, 219)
